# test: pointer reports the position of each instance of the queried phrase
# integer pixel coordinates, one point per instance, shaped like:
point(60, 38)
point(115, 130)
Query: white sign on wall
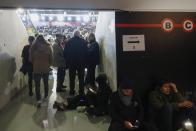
point(133, 43)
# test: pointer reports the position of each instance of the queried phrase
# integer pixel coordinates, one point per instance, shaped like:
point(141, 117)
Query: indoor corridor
point(23, 115)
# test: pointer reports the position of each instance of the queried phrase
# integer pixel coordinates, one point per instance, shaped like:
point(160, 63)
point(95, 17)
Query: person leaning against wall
point(93, 58)
point(95, 102)
point(126, 109)
point(167, 107)
point(41, 55)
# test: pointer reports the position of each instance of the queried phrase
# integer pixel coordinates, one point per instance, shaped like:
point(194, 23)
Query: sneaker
point(60, 107)
point(38, 104)
point(81, 108)
point(55, 105)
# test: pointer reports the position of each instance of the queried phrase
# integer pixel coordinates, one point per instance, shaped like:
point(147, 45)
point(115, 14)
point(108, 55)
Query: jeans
point(37, 79)
point(165, 118)
point(60, 77)
point(72, 75)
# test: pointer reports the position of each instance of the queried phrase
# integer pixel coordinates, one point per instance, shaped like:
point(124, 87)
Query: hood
point(41, 47)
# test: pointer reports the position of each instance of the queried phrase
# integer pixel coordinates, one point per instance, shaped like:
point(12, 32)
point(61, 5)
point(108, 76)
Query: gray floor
point(22, 115)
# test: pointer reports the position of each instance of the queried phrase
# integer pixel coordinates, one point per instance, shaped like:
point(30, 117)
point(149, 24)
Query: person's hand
point(128, 125)
point(93, 91)
point(186, 104)
point(173, 85)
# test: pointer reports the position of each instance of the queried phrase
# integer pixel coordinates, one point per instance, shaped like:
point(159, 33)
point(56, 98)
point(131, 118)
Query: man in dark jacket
point(92, 58)
point(59, 61)
point(126, 109)
point(167, 107)
point(27, 65)
point(75, 56)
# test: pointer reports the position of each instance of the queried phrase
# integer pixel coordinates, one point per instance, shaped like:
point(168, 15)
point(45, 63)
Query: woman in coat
point(41, 56)
point(93, 57)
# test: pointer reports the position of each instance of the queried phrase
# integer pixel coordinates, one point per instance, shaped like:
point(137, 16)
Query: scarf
point(127, 100)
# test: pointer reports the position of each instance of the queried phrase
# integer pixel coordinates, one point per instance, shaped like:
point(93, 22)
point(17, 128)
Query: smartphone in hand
point(91, 89)
point(135, 124)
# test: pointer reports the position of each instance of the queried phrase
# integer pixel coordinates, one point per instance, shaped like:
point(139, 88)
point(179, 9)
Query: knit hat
point(102, 78)
point(126, 84)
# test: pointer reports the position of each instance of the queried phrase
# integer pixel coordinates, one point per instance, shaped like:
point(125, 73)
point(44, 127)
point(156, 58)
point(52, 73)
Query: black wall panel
point(167, 55)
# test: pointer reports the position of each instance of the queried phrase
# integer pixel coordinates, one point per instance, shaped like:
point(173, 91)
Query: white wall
point(157, 5)
point(131, 5)
point(105, 35)
point(13, 37)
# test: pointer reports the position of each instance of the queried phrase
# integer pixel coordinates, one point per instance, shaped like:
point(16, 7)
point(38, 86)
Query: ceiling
point(129, 5)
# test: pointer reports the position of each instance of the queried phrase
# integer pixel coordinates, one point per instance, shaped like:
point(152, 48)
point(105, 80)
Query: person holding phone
point(126, 109)
point(167, 107)
point(96, 100)
point(98, 95)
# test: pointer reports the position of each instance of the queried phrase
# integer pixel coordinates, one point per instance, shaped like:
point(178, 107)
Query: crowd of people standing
point(74, 54)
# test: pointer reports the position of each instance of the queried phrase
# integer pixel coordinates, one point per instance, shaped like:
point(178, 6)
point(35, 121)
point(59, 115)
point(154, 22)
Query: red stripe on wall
point(177, 25)
point(138, 25)
point(145, 25)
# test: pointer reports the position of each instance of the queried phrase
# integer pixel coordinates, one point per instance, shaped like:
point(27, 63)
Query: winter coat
point(93, 56)
point(120, 112)
point(41, 55)
point(157, 100)
point(58, 51)
point(102, 97)
point(75, 51)
point(25, 55)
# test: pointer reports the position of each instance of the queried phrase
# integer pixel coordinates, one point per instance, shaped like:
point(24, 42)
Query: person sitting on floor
point(96, 100)
point(126, 109)
point(167, 107)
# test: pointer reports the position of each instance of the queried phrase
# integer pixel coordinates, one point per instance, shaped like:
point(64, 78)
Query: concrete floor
point(22, 115)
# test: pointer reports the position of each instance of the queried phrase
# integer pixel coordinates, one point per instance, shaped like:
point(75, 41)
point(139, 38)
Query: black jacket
point(120, 112)
point(27, 66)
point(101, 99)
point(25, 56)
point(93, 55)
point(75, 52)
